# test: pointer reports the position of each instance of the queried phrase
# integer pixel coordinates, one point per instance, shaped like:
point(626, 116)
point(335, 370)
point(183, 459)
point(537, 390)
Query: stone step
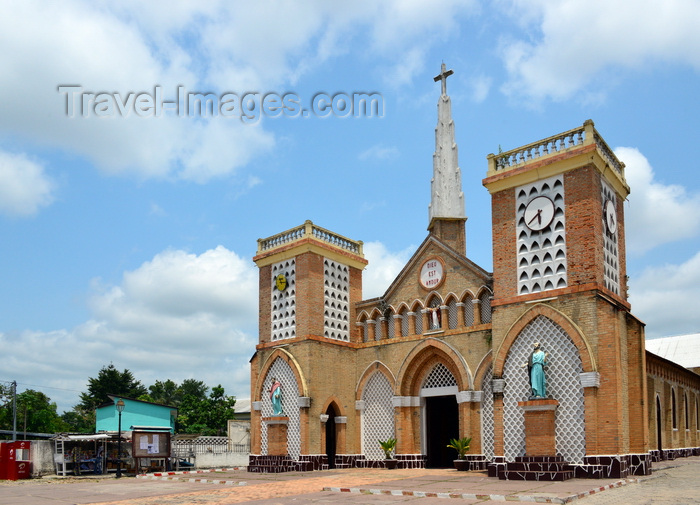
point(537, 476)
point(540, 459)
point(519, 466)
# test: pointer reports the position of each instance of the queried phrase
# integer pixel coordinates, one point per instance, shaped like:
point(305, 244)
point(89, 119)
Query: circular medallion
point(539, 213)
point(281, 282)
point(432, 274)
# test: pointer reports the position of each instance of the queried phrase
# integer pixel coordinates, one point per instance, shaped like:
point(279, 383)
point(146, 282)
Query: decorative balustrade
point(309, 230)
point(583, 135)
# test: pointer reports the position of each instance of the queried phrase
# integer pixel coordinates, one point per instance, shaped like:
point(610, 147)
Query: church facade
point(443, 353)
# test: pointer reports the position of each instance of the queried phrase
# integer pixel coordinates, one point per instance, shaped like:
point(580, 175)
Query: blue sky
point(129, 239)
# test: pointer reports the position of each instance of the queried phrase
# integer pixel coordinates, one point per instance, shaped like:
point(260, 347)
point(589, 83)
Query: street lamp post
point(120, 409)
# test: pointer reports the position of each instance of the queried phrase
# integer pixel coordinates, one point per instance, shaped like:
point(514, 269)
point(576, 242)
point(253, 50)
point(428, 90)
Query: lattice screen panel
point(541, 254)
point(419, 321)
point(281, 370)
point(439, 377)
point(336, 300)
point(378, 334)
point(452, 317)
point(468, 312)
point(284, 302)
point(563, 384)
point(611, 273)
point(487, 416)
point(391, 328)
point(485, 307)
point(378, 415)
point(405, 324)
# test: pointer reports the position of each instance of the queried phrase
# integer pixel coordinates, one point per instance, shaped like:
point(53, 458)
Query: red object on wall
point(14, 460)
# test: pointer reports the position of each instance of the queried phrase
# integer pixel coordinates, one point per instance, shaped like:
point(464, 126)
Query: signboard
point(432, 273)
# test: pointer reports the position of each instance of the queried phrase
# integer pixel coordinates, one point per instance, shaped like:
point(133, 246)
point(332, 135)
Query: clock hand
point(538, 216)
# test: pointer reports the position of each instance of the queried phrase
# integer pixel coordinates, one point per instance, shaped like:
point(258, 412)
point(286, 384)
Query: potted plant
point(388, 447)
point(461, 445)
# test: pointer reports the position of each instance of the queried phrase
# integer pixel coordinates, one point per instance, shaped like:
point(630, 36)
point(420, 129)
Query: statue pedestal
point(539, 427)
point(276, 435)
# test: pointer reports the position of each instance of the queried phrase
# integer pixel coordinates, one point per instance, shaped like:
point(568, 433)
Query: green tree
point(208, 415)
point(165, 393)
point(192, 387)
point(36, 413)
point(109, 380)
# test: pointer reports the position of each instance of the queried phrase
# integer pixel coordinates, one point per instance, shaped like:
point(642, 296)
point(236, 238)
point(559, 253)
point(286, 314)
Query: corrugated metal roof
point(681, 349)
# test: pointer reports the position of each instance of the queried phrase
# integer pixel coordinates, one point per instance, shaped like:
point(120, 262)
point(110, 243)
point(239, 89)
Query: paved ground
point(675, 482)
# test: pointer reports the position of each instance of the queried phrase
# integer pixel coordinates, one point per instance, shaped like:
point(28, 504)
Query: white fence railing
point(210, 445)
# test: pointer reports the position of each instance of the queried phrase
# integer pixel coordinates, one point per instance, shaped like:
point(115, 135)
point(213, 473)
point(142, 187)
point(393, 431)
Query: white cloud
point(379, 152)
point(661, 292)
point(24, 187)
point(213, 46)
point(177, 316)
point(383, 268)
point(577, 47)
point(656, 213)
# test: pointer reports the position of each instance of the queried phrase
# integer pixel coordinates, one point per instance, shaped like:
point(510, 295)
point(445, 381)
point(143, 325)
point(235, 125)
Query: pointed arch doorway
point(331, 436)
point(440, 416)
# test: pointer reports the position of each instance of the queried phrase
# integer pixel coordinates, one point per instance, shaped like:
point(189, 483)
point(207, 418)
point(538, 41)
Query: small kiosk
point(82, 454)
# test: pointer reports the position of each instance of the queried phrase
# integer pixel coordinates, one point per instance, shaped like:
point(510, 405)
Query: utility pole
point(14, 410)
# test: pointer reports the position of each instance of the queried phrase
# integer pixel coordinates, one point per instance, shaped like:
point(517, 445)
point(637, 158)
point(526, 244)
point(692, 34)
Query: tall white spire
point(446, 196)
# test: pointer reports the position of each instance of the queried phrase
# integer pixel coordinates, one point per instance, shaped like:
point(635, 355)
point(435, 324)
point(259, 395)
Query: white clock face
point(539, 213)
point(610, 216)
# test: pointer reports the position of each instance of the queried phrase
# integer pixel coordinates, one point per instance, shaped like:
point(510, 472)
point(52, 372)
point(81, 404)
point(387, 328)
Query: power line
point(44, 387)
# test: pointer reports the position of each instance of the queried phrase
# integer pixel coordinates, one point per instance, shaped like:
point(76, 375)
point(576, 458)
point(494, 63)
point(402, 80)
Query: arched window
point(418, 314)
point(452, 318)
point(468, 311)
point(485, 299)
point(390, 321)
point(405, 323)
point(674, 414)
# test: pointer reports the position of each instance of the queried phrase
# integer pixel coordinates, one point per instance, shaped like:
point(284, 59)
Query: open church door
point(442, 425)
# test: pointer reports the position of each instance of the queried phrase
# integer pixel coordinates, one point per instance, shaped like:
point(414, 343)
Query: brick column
point(371, 330)
point(477, 310)
point(444, 317)
point(396, 321)
point(460, 315)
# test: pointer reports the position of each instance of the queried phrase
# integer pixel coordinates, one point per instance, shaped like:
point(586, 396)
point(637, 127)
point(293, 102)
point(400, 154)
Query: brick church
point(442, 353)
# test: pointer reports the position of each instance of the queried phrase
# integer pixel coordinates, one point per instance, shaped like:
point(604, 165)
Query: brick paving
point(674, 482)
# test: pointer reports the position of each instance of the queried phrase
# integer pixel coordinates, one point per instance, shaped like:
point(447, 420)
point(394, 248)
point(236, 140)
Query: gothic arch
point(574, 332)
point(429, 298)
point(375, 366)
point(482, 369)
point(420, 361)
point(467, 294)
point(482, 290)
point(293, 364)
point(337, 405)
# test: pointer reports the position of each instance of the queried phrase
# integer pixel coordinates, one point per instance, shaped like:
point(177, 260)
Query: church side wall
point(665, 380)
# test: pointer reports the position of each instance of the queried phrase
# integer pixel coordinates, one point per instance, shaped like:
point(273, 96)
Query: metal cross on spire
point(442, 76)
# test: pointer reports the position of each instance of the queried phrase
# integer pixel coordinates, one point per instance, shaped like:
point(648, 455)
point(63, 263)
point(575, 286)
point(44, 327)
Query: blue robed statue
point(535, 368)
point(276, 397)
